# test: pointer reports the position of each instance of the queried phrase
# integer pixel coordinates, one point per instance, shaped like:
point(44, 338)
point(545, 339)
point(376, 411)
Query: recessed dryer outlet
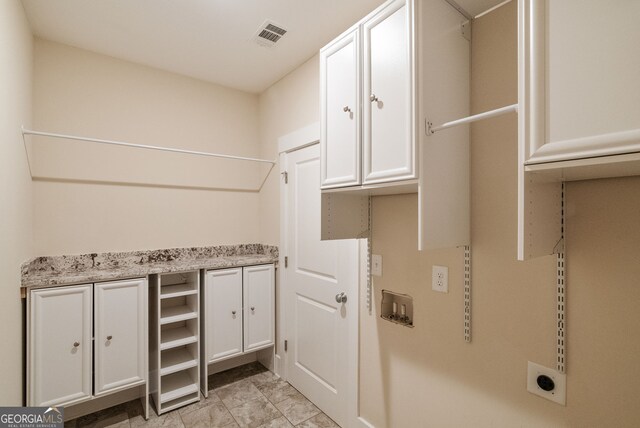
point(547, 383)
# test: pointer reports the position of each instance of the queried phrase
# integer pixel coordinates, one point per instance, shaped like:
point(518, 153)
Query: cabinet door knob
point(373, 98)
point(253, 308)
point(76, 344)
point(109, 337)
point(233, 312)
point(341, 298)
point(346, 109)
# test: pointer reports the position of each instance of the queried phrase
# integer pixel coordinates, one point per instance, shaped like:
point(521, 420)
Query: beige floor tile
point(318, 421)
point(216, 415)
point(280, 422)
point(277, 390)
point(166, 420)
point(255, 413)
point(297, 409)
point(238, 393)
point(204, 402)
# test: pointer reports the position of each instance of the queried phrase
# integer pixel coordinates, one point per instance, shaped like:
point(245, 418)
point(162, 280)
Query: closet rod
point(142, 146)
point(486, 115)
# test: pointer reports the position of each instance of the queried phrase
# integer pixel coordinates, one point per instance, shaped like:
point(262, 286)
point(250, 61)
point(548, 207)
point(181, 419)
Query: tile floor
point(246, 396)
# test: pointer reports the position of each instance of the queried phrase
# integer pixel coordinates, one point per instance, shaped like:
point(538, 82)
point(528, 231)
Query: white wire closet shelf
point(106, 142)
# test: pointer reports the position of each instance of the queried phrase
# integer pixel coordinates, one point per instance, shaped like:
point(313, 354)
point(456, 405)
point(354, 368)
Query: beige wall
point(16, 53)
point(290, 104)
point(428, 376)
point(160, 200)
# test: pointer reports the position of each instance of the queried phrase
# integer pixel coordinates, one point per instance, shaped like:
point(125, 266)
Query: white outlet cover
point(376, 264)
point(440, 279)
point(558, 394)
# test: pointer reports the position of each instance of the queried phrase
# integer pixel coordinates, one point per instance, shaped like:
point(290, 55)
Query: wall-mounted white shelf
point(68, 160)
point(175, 339)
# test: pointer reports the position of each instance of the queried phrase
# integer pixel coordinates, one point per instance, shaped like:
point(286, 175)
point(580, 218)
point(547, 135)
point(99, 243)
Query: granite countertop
point(85, 268)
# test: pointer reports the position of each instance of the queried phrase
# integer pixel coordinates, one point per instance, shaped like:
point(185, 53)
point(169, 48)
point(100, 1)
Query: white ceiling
point(210, 40)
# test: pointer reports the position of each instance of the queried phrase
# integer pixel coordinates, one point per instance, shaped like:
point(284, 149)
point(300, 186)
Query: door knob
point(109, 337)
point(233, 312)
point(373, 98)
point(76, 344)
point(346, 109)
point(341, 298)
point(253, 308)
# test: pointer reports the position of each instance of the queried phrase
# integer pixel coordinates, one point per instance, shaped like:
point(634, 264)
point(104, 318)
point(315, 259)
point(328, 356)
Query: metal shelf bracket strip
point(369, 251)
point(561, 296)
point(467, 293)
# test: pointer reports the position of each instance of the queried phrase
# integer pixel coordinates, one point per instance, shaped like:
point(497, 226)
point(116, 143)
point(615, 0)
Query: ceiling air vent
point(269, 33)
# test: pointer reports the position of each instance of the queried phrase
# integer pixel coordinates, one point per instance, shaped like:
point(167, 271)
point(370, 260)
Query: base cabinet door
point(60, 321)
point(259, 290)
point(120, 339)
point(223, 296)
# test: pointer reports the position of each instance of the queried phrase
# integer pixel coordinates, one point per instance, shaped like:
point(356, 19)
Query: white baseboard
point(363, 423)
point(277, 365)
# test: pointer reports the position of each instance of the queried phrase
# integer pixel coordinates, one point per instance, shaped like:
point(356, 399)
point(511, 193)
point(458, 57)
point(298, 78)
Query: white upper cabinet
point(415, 64)
point(120, 334)
point(340, 111)
point(367, 94)
point(389, 143)
point(578, 106)
point(580, 87)
point(60, 324)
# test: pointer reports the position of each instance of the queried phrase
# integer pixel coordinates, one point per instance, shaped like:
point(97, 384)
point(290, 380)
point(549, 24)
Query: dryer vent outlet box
point(547, 383)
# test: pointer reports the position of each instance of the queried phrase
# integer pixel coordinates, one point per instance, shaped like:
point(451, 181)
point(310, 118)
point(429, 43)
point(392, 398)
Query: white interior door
point(319, 329)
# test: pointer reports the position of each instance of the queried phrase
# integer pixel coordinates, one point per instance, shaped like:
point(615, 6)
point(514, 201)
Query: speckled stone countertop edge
point(43, 278)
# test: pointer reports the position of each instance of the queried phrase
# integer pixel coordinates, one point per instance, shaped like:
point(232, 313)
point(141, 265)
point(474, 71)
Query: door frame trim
point(296, 140)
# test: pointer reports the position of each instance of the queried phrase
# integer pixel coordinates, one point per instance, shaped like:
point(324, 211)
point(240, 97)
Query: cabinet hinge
point(285, 175)
point(286, 345)
point(286, 261)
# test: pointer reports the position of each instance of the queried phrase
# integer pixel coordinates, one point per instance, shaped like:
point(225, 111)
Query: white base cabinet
point(67, 364)
point(239, 311)
point(60, 347)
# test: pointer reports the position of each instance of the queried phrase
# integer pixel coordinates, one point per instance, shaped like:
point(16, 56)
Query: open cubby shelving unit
point(174, 339)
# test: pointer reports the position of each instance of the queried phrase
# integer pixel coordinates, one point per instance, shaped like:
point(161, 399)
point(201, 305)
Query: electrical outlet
point(547, 383)
point(440, 279)
point(376, 264)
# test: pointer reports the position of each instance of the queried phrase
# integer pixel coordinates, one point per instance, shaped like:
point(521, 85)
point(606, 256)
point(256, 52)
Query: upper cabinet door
point(223, 296)
point(340, 111)
point(259, 298)
point(120, 334)
point(579, 80)
point(388, 98)
point(60, 346)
